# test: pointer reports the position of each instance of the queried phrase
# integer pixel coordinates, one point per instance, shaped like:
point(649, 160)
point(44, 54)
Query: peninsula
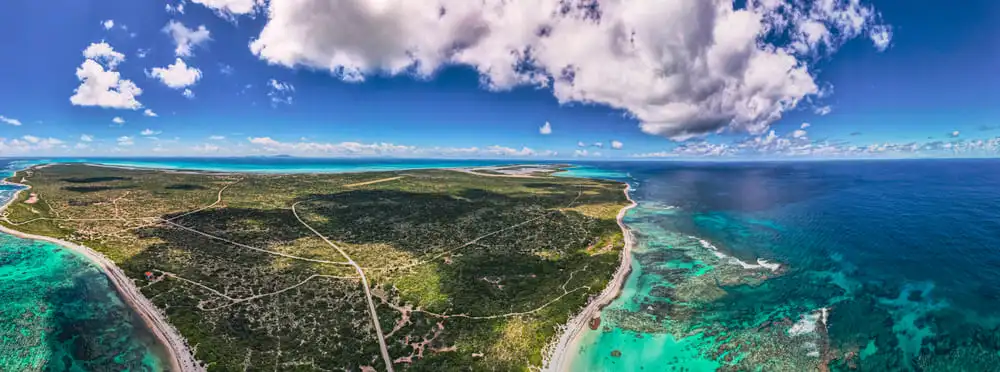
point(405, 270)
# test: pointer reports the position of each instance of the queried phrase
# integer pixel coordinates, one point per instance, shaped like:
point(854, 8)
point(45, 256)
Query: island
point(423, 270)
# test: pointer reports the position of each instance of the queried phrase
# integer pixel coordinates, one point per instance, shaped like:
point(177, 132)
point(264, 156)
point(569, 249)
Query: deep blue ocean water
point(903, 256)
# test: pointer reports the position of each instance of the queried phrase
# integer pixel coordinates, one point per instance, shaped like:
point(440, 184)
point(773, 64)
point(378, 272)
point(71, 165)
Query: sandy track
point(561, 355)
point(473, 171)
point(359, 184)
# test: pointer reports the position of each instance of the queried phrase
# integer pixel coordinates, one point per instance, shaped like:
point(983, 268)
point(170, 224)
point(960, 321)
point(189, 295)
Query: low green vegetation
point(469, 272)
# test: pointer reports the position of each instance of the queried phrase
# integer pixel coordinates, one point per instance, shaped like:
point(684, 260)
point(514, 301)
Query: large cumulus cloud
point(683, 68)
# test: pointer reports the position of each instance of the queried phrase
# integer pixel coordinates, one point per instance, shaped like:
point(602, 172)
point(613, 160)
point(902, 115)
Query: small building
point(149, 275)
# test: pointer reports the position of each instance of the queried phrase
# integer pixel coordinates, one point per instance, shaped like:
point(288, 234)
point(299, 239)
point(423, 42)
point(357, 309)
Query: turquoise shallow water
point(869, 266)
point(58, 312)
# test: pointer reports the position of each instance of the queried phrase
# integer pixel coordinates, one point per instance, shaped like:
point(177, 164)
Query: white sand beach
point(561, 355)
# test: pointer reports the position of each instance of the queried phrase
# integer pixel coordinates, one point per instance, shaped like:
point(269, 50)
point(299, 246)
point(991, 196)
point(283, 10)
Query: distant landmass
point(421, 268)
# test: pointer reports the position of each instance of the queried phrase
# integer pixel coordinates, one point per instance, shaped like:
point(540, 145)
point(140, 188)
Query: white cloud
point(109, 24)
point(357, 149)
point(617, 145)
point(188, 93)
point(265, 141)
point(692, 149)
point(581, 144)
point(29, 145)
point(805, 125)
point(280, 92)
point(545, 129)
point(343, 148)
point(509, 151)
point(217, 138)
point(149, 113)
point(104, 88)
point(86, 138)
point(772, 145)
point(149, 132)
point(955, 133)
point(598, 144)
point(823, 110)
point(799, 133)
point(118, 120)
point(10, 121)
point(185, 38)
point(141, 53)
point(178, 75)
point(104, 53)
point(175, 9)
point(125, 141)
point(584, 153)
point(206, 147)
point(683, 68)
point(43, 143)
point(230, 8)
point(280, 86)
point(881, 36)
point(226, 69)
point(657, 154)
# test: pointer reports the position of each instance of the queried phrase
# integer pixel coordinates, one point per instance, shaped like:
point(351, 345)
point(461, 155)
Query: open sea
point(774, 266)
point(799, 266)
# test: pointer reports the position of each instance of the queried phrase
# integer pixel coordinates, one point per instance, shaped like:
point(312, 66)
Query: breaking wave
point(761, 263)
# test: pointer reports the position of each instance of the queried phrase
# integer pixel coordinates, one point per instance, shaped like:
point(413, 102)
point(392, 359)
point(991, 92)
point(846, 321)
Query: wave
point(761, 263)
point(658, 206)
point(808, 323)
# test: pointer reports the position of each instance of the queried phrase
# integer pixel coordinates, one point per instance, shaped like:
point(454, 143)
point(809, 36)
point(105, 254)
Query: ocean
point(796, 266)
point(776, 266)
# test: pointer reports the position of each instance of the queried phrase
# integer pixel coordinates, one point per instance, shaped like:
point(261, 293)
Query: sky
point(546, 79)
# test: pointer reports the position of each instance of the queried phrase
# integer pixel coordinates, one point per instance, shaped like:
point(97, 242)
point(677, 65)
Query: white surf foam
point(808, 322)
point(805, 325)
point(761, 263)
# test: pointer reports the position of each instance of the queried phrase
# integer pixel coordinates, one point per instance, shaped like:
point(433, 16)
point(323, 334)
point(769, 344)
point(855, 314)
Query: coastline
point(181, 358)
point(559, 358)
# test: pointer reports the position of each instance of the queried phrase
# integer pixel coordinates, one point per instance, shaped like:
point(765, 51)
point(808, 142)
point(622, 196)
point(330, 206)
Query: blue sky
point(450, 78)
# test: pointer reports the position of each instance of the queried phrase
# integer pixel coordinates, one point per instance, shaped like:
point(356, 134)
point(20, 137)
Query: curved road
point(364, 282)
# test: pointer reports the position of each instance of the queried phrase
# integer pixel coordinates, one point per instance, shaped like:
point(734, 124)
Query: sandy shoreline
point(181, 358)
point(560, 357)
